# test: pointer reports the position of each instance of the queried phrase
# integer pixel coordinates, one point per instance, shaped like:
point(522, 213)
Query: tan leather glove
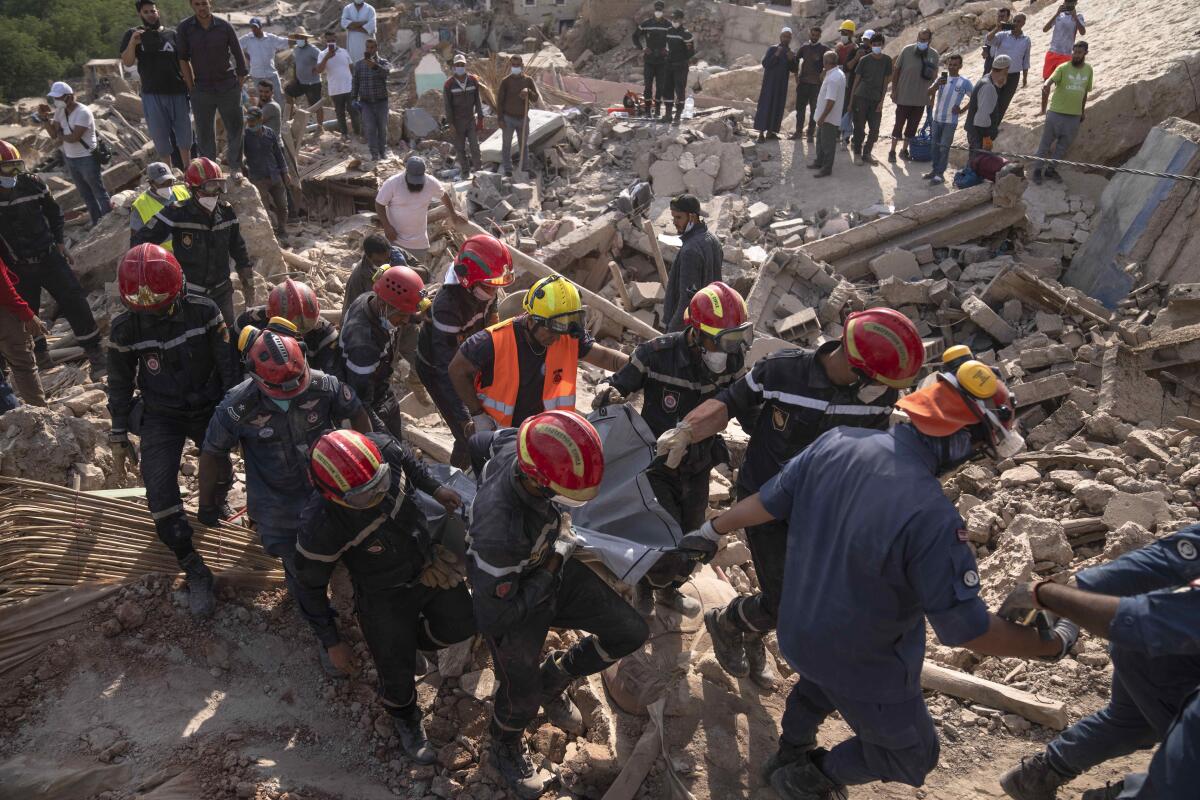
point(442, 572)
point(607, 396)
point(674, 444)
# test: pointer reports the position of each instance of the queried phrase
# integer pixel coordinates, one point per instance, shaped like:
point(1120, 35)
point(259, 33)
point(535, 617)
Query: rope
point(1080, 165)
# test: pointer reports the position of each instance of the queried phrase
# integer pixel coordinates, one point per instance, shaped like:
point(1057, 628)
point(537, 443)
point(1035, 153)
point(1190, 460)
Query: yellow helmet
point(555, 302)
point(978, 379)
point(848, 25)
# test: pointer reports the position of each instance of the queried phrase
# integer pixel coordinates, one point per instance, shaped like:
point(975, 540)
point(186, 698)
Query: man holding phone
point(949, 96)
point(164, 94)
point(334, 63)
point(1066, 24)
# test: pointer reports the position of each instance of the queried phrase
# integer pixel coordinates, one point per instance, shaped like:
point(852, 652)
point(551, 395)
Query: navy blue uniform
point(795, 402)
point(873, 550)
point(385, 549)
point(321, 343)
point(1156, 670)
point(368, 354)
point(650, 36)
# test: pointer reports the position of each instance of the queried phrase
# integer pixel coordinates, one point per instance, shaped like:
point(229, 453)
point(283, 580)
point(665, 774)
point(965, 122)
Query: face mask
point(871, 392)
point(460, 71)
point(715, 361)
point(675, 24)
point(658, 15)
point(481, 293)
point(165, 193)
point(876, 50)
point(567, 501)
point(284, 405)
point(922, 45)
point(60, 103)
point(208, 202)
point(8, 182)
point(516, 70)
point(845, 37)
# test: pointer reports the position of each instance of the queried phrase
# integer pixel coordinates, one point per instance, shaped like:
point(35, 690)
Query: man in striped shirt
point(949, 95)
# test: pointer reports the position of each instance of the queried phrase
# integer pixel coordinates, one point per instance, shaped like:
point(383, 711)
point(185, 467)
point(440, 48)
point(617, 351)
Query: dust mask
point(460, 71)
point(845, 37)
point(209, 203)
point(871, 392)
point(164, 193)
point(716, 361)
point(481, 293)
point(8, 181)
point(658, 15)
point(876, 50)
point(60, 103)
point(676, 24)
point(922, 45)
point(516, 70)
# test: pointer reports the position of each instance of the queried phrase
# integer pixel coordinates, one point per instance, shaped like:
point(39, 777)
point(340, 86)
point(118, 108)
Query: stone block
point(1042, 357)
point(1041, 390)
point(1130, 536)
point(1023, 475)
point(1012, 311)
point(897, 292)
point(1062, 425)
point(923, 253)
point(667, 178)
point(699, 183)
point(1147, 509)
point(898, 264)
point(798, 325)
point(970, 254)
point(1009, 565)
point(1047, 541)
point(989, 321)
point(1049, 324)
point(760, 213)
point(646, 294)
point(1142, 444)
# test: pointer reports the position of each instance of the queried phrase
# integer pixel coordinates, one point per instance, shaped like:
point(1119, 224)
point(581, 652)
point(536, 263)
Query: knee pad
point(176, 533)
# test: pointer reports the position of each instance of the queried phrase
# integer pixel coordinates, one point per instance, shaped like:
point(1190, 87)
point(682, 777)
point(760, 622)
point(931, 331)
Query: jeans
point(228, 103)
point(758, 613)
point(274, 197)
point(507, 125)
point(1058, 134)
point(85, 174)
point(163, 437)
point(16, 348)
point(374, 122)
point(866, 114)
point(464, 135)
point(169, 119)
point(942, 136)
point(827, 140)
point(806, 99)
point(341, 104)
point(52, 273)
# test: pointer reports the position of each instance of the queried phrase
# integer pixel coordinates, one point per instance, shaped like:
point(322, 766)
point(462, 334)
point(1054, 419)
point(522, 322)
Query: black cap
point(659, 5)
point(687, 203)
point(677, 14)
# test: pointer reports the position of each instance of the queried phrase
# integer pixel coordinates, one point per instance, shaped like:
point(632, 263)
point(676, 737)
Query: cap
point(414, 170)
point(1001, 62)
point(255, 22)
point(785, 29)
point(659, 5)
point(848, 25)
point(460, 59)
point(159, 172)
point(937, 410)
point(677, 14)
point(687, 203)
point(868, 33)
point(61, 89)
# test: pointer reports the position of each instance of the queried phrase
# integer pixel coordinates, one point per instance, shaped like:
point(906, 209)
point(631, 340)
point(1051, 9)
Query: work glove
point(567, 541)
point(1021, 607)
point(442, 571)
point(208, 515)
point(122, 451)
point(483, 423)
point(701, 544)
point(1020, 603)
point(1053, 627)
point(674, 444)
point(608, 396)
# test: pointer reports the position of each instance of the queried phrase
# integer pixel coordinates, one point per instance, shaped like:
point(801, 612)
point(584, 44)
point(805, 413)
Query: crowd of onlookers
point(842, 89)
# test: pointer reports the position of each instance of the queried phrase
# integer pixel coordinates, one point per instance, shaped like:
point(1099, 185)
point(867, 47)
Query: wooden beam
point(656, 252)
point(622, 289)
point(994, 695)
point(637, 765)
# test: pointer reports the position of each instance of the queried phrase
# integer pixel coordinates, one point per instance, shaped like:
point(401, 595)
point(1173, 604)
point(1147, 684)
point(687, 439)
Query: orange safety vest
point(499, 399)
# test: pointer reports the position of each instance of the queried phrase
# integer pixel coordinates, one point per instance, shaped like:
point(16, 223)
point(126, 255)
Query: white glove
point(567, 541)
point(674, 444)
point(483, 423)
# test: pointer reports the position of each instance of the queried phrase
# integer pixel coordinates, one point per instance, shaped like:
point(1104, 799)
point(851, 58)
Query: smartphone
point(945, 77)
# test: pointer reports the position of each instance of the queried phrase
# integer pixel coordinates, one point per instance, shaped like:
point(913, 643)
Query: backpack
point(965, 178)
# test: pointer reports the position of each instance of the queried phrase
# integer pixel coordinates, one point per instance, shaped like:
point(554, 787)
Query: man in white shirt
point(1016, 45)
point(358, 20)
point(260, 49)
point(403, 207)
point(334, 63)
point(949, 96)
point(73, 128)
point(830, 101)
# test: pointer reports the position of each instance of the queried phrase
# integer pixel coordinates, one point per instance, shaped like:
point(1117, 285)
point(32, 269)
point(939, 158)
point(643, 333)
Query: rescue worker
point(19, 326)
point(408, 593)
point(371, 330)
point(874, 548)
point(275, 415)
point(681, 46)
point(162, 190)
point(173, 347)
point(31, 225)
point(205, 235)
point(650, 36)
point(461, 309)
point(296, 302)
point(1136, 603)
point(852, 381)
point(677, 372)
point(464, 112)
point(528, 364)
point(524, 582)
point(378, 253)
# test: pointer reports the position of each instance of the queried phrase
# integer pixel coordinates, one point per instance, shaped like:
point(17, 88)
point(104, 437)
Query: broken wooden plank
point(656, 251)
point(622, 289)
point(1084, 526)
point(1071, 459)
point(993, 695)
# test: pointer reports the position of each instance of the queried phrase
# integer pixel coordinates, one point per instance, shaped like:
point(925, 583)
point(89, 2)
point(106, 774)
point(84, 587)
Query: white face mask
point(165, 192)
point(871, 392)
point(876, 50)
point(845, 37)
point(60, 103)
point(460, 71)
point(516, 70)
point(567, 501)
point(8, 182)
point(676, 23)
point(658, 15)
point(208, 202)
point(481, 293)
point(716, 361)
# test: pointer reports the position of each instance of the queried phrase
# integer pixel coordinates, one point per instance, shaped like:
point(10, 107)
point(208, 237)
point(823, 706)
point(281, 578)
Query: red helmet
point(296, 302)
point(401, 288)
point(149, 278)
point(884, 345)
point(9, 153)
point(561, 451)
point(718, 311)
point(276, 363)
point(484, 259)
point(204, 173)
point(347, 468)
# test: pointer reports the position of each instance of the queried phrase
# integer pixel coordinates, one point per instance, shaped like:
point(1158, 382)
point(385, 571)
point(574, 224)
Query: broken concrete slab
point(542, 125)
point(646, 294)
point(1047, 541)
point(896, 264)
point(988, 320)
point(1147, 509)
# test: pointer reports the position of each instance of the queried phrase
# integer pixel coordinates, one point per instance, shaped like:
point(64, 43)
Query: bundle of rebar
point(52, 537)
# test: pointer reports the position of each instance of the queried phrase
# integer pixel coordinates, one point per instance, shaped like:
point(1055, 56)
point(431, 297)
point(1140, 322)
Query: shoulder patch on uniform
point(1186, 550)
point(961, 533)
point(779, 418)
point(504, 588)
point(970, 578)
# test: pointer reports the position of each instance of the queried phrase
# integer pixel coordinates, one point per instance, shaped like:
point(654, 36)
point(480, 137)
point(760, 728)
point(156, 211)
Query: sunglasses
point(10, 169)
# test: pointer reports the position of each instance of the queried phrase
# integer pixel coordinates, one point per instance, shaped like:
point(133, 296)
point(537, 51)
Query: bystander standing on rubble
point(72, 126)
point(872, 73)
point(983, 118)
point(681, 46)
point(267, 102)
point(1004, 20)
point(402, 204)
point(296, 302)
point(214, 69)
point(1066, 24)
point(377, 254)
point(31, 228)
point(797, 396)
point(460, 310)
point(18, 327)
point(267, 169)
point(165, 104)
point(949, 96)
point(697, 263)
point(358, 21)
point(516, 94)
point(369, 94)
point(1137, 604)
point(306, 82)
point(1016, 45)
point(860, 51)
point(260, 49)
point(772, 97)
point(829, 111)
point(650, 36)
point(161, 190)
point(915, 68)
point(464, 112)
point(335, 64)
point(810, 65)
point(1066, 93)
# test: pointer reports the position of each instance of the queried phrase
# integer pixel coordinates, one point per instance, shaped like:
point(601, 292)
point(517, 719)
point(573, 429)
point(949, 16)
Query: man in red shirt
point(18, 327)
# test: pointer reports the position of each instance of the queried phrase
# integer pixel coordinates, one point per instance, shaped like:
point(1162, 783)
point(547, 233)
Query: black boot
point(410, 729)
point(657, 107)
point(1032, 779)
point(786, 754)
point(802, 780)
point(666, 117)
point(201, 600)
point(97, 361)
point(510, 755)
point(762, 670)
point(728, 644)
point(560, 711)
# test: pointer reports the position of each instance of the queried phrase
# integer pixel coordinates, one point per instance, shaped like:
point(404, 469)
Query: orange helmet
point(205, 175)
point(149, 278)
point(971, 397)
point(561, 452)
point(347, 468)
point(275, 361)
point(884, 345)
point(484, 259)
point(719, 312)
point(401, 288)
point(296, 302)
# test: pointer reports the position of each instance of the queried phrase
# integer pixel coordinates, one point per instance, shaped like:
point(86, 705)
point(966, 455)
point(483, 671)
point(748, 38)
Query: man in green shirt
point(1070, 84)
point(871, 78)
